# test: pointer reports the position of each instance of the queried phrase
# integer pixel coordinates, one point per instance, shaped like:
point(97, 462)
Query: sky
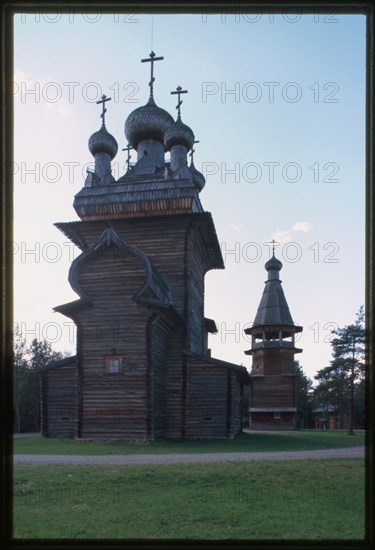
point(278, 106)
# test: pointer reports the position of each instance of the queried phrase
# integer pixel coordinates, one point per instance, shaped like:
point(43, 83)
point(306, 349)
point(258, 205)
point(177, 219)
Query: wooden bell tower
point(273, 378)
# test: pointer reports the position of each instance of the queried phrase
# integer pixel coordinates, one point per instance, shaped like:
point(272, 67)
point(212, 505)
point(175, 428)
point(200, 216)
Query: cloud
point(281, 237)
point(304, 227)
point(235, 227)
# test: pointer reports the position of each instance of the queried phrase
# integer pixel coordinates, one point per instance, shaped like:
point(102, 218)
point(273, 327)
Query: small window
point(276, 416)
point(113, 364)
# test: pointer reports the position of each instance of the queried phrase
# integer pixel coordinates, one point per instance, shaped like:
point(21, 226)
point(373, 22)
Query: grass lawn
point(311, 499)
point(246, 442)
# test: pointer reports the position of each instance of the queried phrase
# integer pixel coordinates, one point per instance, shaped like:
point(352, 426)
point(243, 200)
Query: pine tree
point(341, 381)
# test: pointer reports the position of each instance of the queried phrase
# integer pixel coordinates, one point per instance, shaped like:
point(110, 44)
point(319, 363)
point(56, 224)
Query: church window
point(113, 364)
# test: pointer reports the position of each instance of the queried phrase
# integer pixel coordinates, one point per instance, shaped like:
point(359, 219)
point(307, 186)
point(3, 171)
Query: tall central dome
point(147, 122)
point(145, 128)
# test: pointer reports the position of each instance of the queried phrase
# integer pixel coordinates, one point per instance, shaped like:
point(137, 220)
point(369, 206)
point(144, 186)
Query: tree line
point(27, 359)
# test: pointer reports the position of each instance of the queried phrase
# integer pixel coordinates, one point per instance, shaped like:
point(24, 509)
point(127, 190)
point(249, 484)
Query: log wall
point(214, 399)
point(196, 263)
point(176, 391)
point(160, 331)
point(267, 421)
point(58, 401)
point(113, 405)
point(273, 391)
point(276, 388)
point(207, 402)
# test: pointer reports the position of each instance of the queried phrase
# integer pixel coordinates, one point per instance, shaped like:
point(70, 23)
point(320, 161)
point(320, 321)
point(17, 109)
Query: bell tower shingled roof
point(273, 308)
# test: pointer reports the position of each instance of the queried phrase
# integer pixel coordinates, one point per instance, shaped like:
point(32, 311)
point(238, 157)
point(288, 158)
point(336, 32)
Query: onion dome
point(103, 142)
point(273, 264)
point(146, 123)
point(179, 133)
point(198, 177)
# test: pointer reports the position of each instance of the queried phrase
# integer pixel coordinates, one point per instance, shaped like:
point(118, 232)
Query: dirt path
point(348, 452)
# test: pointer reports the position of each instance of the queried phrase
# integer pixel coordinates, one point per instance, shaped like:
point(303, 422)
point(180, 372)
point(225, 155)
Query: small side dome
point(179, 133)
point(198, 177)
point(103, 142)
point(273, 264)
point(147, 122)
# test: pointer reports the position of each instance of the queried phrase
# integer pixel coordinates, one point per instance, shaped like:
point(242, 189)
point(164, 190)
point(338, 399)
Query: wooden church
point(142, 369)
point(273, 378)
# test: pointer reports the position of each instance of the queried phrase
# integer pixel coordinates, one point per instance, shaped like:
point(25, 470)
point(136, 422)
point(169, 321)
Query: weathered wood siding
point(154, 385)
point(277, 387)
point(214, 399)
point(58, 401)
point(113, 405)
point(272, 391)
point(276, 361)
point(160, 392)
point(165, 240)
point(160, 331)
point(267, 421)
point(236, 401)
point(196, 267)
point(207, 402)
point(162, 243)
point(175, 405)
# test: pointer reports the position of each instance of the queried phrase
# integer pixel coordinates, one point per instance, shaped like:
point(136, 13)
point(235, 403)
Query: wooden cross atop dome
point(152, 60)
point(127, 149)
point(179, 91)
point(103, 99)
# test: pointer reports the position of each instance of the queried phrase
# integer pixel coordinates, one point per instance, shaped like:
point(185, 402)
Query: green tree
point(303, 397)
point(331, 393)
point(341, 383)
point(27, 361)
point(20, 380)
